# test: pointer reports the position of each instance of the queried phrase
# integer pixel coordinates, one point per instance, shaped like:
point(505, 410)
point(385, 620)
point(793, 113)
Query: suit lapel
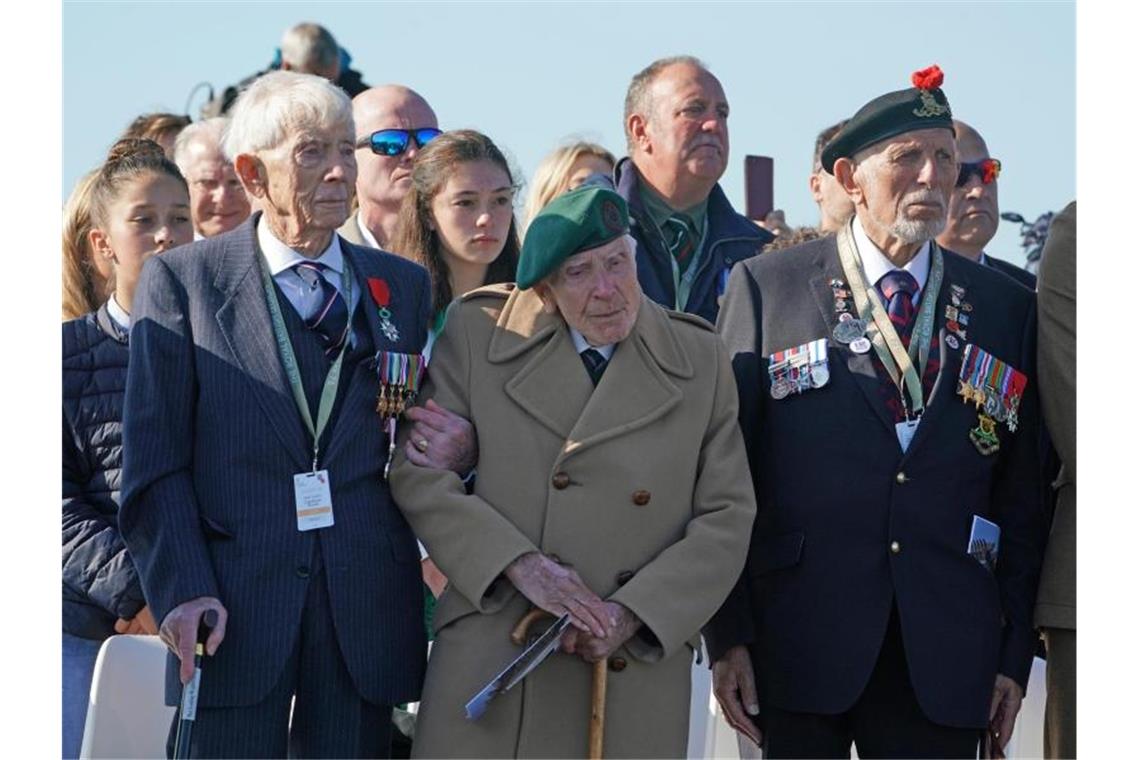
point(363, 383)
point(245, 324)
point(860, 366)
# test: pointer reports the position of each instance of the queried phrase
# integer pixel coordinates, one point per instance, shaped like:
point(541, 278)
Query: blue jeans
point(78, 667)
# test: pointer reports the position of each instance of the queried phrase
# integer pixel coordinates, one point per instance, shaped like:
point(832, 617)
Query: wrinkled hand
point(1004, 706)
point(734, 684)
point(624, 624)
point(179, 631)
point(559, 590)
point(142, 624)
point(434, 579)
point(441, 439)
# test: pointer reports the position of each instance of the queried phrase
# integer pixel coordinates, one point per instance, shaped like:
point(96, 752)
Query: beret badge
point(926, 81)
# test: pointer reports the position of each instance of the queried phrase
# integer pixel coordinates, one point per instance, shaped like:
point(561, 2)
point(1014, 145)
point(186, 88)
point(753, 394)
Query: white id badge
point(314, 500)
point(905, 431)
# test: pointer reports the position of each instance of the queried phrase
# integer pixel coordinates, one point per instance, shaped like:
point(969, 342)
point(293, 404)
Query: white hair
point(207, 131)
point(279, 104)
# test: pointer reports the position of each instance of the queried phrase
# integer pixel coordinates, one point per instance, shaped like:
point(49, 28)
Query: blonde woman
point(566, 168)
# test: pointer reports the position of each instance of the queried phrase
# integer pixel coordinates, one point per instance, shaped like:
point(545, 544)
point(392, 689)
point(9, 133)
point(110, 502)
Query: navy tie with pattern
point(682, 239)
point(330, 319)
point(595, 363)
point(898, 288)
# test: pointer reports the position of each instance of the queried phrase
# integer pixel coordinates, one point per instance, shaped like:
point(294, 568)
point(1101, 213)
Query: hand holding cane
point(188, 707)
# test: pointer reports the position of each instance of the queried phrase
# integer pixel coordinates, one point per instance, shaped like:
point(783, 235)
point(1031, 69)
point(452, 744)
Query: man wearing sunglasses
point(972, 221)
point(392, 124)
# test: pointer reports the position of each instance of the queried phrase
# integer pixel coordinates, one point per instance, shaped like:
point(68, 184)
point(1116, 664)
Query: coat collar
point(552, 385)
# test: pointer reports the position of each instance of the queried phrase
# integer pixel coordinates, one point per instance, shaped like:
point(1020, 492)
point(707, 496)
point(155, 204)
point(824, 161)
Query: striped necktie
point(595, 363)
point(329, 320)
point(681, 239)
point(898, 288)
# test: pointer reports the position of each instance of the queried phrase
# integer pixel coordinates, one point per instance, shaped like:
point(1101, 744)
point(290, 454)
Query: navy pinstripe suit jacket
point(212, 438)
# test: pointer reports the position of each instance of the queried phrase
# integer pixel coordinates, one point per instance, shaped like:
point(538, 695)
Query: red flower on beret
point(379, 289)
point(927, 79)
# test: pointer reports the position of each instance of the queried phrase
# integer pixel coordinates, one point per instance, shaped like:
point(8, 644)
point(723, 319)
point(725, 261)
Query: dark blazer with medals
point(212, 440)
point(847, 523)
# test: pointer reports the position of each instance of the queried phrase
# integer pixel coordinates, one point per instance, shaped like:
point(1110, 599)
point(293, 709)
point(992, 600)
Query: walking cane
point(188, 707)
point(597, 690)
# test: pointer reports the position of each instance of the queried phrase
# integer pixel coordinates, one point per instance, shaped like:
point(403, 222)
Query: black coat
point(835, 492)
point(99, 579)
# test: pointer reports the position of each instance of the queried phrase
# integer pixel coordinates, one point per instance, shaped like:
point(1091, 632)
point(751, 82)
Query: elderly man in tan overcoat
point(614, 489)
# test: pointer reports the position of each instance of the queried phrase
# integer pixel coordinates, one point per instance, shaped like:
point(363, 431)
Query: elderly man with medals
point(254, 455)
point(613, 493)
point(889, 407)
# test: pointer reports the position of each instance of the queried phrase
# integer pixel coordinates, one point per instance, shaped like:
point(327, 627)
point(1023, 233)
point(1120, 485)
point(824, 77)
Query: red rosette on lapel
point(381, 294)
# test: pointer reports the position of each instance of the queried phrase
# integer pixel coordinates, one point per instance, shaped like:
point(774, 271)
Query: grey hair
point(637, 97)
point(206, 131)
point(279, 104)
point(309, 48)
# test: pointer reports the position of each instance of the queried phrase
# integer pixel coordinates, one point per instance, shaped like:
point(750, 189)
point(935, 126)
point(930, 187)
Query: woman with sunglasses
point(392, 123)
point(139, 207)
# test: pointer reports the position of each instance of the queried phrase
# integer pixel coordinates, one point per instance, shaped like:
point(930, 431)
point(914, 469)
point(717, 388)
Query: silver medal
point(861, 345)
point(819, 376)
point(849, 330)
point(780, 389)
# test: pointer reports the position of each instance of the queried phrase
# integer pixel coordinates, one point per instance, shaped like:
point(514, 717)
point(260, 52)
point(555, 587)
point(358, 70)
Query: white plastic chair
point(126, 717)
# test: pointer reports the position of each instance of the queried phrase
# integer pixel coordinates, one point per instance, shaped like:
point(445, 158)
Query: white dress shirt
point(581, 344)
point(118, 314)
point(876, 264)
point(281, 258)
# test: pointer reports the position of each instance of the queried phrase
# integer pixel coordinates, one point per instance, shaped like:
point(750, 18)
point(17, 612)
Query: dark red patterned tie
point(898, 288)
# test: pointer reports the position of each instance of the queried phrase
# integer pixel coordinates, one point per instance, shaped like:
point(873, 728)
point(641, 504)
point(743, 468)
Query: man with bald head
point(392, 123)
point(218, 202)
point(973, 217)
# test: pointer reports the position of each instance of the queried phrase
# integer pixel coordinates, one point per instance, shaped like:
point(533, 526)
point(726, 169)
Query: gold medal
point(984, 436)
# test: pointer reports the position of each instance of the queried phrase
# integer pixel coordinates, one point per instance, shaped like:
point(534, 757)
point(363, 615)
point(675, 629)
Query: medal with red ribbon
point(382, 296)
point(996, 388)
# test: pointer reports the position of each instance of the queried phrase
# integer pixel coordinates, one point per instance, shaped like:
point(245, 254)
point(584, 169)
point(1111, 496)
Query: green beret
point(923, 106)
point(575, 221)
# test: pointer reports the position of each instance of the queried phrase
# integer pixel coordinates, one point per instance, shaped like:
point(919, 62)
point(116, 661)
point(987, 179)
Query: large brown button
point(617, 664)
point(560, 480)
point(624, 577)
point(641, 498)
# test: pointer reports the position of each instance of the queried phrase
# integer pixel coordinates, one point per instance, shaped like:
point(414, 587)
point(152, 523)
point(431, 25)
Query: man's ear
point(635, 127)
point(814, 184)
point(251, 172)
point(845, 175)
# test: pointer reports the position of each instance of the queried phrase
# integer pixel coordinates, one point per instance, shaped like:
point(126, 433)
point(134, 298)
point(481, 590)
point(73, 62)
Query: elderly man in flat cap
point(889, 405)
point(613, 487)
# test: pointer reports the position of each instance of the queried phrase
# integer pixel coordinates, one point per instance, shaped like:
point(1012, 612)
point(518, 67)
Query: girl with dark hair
point(139, 207)
point(457, 220)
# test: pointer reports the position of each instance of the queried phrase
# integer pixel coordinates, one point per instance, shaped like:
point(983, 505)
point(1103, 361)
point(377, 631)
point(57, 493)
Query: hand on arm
point(179, 631)
point(441, 439)
point(559, 590)
point(623, 625)
point(734, 684)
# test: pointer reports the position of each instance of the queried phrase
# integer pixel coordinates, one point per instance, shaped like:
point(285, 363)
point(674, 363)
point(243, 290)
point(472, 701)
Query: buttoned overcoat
point(641, 484)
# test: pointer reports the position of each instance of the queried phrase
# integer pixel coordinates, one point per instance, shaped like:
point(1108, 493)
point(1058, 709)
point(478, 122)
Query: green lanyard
point(881, 330)
point(289, 361)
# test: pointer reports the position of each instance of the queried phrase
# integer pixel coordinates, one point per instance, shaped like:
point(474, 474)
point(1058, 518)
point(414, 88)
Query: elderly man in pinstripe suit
point(253, 478)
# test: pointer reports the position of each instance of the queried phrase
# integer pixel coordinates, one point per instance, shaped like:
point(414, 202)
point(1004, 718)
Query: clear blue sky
point(530, 75)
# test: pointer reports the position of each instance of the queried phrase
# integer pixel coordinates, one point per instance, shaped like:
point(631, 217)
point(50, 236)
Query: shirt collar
point(280, 257)
point(366, 233)
point(581, 344)
point(118, 314)
point(876, 264)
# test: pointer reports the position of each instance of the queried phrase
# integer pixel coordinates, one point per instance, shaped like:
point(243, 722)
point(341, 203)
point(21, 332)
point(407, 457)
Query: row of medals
point(798, 374)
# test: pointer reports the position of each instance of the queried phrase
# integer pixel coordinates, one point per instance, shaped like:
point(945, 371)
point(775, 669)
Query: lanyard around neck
point(881, 331)
point(292, 370)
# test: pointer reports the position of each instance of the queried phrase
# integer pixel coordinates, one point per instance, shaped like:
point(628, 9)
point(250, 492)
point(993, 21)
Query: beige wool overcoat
point(641, 484)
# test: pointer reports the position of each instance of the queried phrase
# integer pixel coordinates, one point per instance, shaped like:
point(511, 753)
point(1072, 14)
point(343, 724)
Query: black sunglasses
point(393, 142)
point(987, 170)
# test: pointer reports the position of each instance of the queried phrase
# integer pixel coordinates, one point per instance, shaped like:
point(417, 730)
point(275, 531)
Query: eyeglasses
point(393, 142)
point(987, 170)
